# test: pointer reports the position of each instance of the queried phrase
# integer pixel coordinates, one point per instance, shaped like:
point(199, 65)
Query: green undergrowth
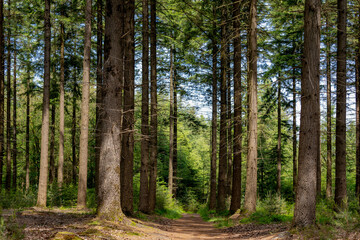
point(166, 205)
point(10, 229)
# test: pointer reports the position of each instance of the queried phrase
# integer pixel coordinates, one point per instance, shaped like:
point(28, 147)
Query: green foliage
point(166, 206)
point(17, 200)
point(10, 229)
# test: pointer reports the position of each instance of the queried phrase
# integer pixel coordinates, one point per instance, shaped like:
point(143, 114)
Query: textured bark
point(27, 132)
point(223, 117)
point(99, 77)
point(171, 124)
point(153, 120)
point(14, 126)
point(41, 199)
point(294, 139)
point(340, 142)
point(52, 145)
point(251, 167)
point(127, 159)
point(73, 135)
point(175, 134)
point(144, 169)
point(328, 116)
point(60, 178)
point(236, 180)
point(109, 199)
point(304, 213)
point(2, 58)
point(84, 122)
point(8, 112)
point(357, 89)
point(229, 121)
point(278, 186)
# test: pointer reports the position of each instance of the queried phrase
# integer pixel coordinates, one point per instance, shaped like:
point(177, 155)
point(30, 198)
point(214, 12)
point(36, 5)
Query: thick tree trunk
point(236, 180)
point(84, 122)
point(153, 120)
point(144, 169)
point(14, 126)
point(41, 199)
point(109, 199)
point(340, 169)
point(278, 187)
point(27, 132)
point(60, 178)
point(304, 213)
point(73, 135)
point(8, 113)
point(2, 58)
point(251, 168)
point(223, 117)
point(171, 124)
point(127, 159)
point(328, 116)
point(99, 77)
point(52, 145)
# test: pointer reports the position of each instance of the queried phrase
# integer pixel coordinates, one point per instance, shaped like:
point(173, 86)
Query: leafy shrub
point(166, 205)
point(17, 200)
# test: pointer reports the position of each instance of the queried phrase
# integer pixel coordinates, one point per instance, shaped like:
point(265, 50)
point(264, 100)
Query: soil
point(73, 224)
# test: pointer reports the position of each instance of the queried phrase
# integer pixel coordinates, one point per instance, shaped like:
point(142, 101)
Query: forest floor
point(71, 224)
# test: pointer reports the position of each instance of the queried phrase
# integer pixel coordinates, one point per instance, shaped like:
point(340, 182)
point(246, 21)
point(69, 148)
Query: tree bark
point(41, 199)
point(223, 116)
point(340, 169)
point(294, 138)
point(73, 134)
point(27, 131)
point(357, 89)
point(171, 124)
point(175, 134)
point(304, 213)
point(52, 144)
point(8, 111)
point(14, 125)
point(127, 160)
point(229, 119)
point(109, 199)
point(328, 116)
point(2, 67)
point(60, 178)
point(153, 120)
point(251, 168)
point(278, 187)
point(144, 169)
point(236, 180)
point(84, 129)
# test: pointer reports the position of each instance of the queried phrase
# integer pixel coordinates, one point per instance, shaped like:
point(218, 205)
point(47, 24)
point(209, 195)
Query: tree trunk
point(84, 127)
point(144, 169)
point(223, 117)
point(357, 89)
point(2, 58)
point(340, 169)
point(73, 135)
point(8, 113)
point(27, 132)
point(127, 160)
point(229, 121)
point(61, 107)
point(153, 120)
point(41, 199)
point(175, 134)
point(251, 168)
point(14, 126)
point(99, 77)
point(304, 213)
point(171, 124)
point(328, 116)
point(236, 180)
point(294, 138)
point(109, 199)
point(52, 145)
point(278, 187)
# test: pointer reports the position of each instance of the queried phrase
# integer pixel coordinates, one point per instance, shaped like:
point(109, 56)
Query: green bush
point(166, 205)
point(17, 200)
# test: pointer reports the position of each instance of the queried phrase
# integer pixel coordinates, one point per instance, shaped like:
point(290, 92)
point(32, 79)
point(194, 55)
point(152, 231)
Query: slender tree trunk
point(304, 213)
point(99, 77)
point(41, 199)
point(340, 170)
point(2, 58)
point(144, 169)
point(295, 164)
point(27, 132)
point(328, 116)
point(109, 199)
point(229, 123)
point(61, 107)
point(153, 120)
point(14, 126)
point(212, 203)
point(171, 124)
point(127, 160)
point(73, 135)
point(223, 117)
point(175, 134)
point(357, 89)
point(278, 187)
point(236, 180)
point(52, 145)
point(8, 112)
point(84, 129)
point(251, 168)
